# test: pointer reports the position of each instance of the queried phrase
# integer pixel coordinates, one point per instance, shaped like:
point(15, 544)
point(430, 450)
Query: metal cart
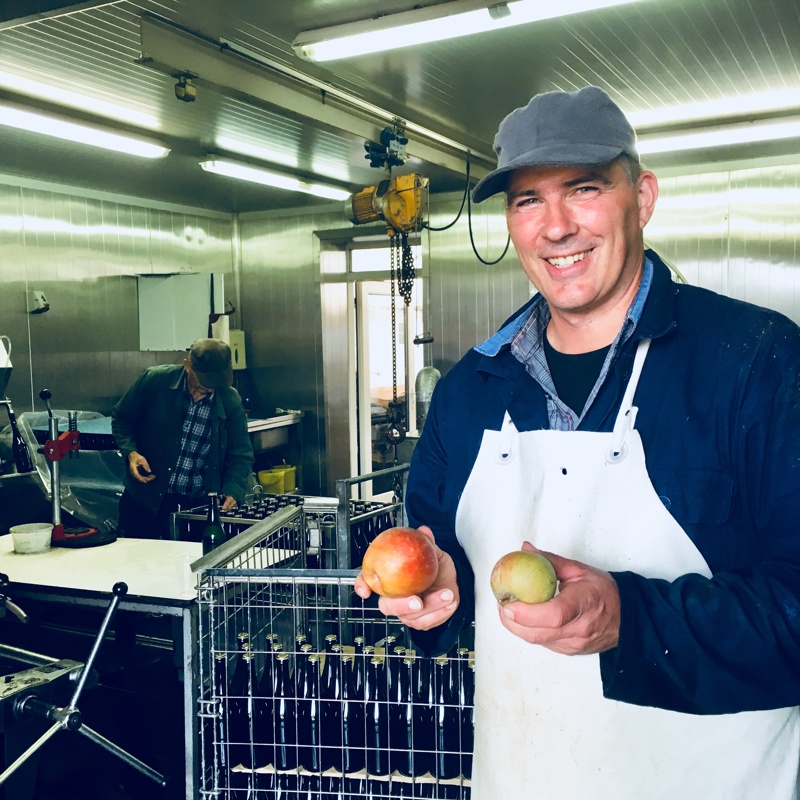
point(306, 691)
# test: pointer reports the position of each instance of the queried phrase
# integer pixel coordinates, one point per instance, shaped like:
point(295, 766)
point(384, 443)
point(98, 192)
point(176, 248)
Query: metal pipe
point(55, 475)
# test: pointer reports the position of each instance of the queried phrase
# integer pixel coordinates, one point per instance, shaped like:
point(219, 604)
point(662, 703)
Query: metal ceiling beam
point(14, 13)
point(233, 71)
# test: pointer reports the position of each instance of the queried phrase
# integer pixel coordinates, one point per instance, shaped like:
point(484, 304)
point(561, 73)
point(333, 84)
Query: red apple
point(523, 575)
point(400, 562)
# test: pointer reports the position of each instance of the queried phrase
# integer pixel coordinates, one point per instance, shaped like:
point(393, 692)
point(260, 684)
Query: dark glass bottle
point(353, 753)
point(448, 723)
point(301, 669)
point(267, 682)
point(23, 460)
point(213, 534)
point(401, 720)
point(424, 718)
point(218, 752)
point(284, 715)
point(376, 727)
point(309, 717)
point(331, 695)
point(358, 668)
point(467, 710)
point(240, 710)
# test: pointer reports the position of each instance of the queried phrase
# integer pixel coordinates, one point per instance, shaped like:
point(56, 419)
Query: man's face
point(196, 389)
point(578, 234)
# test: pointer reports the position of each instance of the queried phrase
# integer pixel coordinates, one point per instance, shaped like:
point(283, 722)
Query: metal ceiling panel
point(654, 54)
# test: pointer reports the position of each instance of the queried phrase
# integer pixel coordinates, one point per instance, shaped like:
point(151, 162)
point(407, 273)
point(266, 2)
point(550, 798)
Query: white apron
point(542, 727)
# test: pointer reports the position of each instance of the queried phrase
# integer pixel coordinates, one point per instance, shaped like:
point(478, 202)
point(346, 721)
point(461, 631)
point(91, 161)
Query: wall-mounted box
point(236, 341)
point(173, 310)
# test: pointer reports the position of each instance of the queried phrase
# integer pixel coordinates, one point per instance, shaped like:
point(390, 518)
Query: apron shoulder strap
point(626, 417)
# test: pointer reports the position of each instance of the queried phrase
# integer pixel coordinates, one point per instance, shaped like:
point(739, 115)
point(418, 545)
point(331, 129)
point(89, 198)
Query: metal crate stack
point(309, 692)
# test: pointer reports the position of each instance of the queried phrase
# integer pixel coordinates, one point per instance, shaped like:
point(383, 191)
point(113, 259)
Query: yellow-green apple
point(523, 575)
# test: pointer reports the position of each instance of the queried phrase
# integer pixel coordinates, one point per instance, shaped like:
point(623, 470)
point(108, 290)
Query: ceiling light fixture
point(66, 97)
point(79, 132)
point(432, 24)
point(244, 172)
point(719, 136)
point(758, 103)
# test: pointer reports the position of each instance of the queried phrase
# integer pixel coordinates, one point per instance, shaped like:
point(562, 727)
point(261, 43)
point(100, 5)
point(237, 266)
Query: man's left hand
point(228, 503)
point(582, 618)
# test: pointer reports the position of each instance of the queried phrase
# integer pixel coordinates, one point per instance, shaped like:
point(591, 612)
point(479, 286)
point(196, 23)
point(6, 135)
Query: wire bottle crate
point(307, 691)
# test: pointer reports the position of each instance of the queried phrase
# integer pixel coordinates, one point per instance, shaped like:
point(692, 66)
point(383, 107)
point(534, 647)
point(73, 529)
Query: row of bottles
point(229, 523)
point(301, 786)
point(352, 712)
point(216, 532)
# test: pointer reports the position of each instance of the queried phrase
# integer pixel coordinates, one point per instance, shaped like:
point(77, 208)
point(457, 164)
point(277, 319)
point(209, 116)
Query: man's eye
point(585, 189)
point(523, 203)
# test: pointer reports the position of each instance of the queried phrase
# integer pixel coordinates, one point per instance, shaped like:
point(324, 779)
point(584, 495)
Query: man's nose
point(559, 222)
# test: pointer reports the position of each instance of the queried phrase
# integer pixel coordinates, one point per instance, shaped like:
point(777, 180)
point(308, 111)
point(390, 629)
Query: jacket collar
point(657, 317)
point(178, 381)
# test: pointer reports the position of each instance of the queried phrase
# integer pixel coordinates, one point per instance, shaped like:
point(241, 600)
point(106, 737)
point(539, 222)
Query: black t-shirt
point(574, 374)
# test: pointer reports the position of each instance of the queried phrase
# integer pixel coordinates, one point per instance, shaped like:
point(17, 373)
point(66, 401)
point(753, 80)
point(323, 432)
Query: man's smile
point(567, 261)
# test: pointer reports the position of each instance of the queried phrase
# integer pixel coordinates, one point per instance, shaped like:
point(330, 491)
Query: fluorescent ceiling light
point(433, 24)
point(79, 132)
point(720, 137)
point(234, 169)
point(65, 97)
point(760, 103)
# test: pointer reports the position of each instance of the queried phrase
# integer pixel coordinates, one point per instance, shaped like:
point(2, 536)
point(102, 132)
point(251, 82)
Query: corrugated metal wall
point(736, 232)
point(83, 252)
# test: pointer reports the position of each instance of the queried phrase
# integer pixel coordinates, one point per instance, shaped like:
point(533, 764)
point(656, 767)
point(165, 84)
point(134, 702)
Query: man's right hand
point(433, 607)
point(139, 468)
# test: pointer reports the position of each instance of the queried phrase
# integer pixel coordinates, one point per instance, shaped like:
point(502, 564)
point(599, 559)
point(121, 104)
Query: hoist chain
point(394, 252)
point(407, 274)
point(396, 432)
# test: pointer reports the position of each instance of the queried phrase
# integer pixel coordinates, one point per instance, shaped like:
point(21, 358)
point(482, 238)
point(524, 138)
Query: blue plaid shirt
point(525, 337)
point(188, 477)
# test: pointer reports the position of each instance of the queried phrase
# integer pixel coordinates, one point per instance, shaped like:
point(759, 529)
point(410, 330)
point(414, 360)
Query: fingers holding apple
point(583, 618)
point(415, 578)
point(400, 562)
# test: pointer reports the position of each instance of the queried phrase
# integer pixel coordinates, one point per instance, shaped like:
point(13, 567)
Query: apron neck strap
point(626, 418)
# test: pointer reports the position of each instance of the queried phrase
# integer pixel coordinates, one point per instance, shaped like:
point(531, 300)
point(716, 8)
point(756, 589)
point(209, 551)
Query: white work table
point(154, 570)
point(159, 580)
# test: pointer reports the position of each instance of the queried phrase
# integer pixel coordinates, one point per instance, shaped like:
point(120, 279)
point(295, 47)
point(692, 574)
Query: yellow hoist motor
point(398, 202)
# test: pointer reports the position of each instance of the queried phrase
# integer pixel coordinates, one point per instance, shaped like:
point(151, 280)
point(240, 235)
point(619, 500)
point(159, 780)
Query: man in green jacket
point(183, 433)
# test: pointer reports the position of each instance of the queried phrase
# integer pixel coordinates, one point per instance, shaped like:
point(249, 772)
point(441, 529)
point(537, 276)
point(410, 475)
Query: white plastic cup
point(33, 537)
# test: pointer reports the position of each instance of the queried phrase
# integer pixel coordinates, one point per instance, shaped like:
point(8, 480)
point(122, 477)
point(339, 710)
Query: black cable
point(472, 239)
point(467, 198)
point(460, 210)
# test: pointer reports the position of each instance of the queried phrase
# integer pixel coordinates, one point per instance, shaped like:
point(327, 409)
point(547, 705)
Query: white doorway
point(386, 366)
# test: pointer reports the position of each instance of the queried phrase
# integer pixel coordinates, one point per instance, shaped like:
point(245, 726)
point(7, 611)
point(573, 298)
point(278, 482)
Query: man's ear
point(647, 192)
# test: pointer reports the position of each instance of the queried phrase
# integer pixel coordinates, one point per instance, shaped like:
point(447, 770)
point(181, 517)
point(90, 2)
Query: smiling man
point(644, 435)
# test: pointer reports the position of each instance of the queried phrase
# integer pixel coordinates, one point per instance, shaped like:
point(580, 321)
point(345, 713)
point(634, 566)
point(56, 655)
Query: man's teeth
point(568, 261)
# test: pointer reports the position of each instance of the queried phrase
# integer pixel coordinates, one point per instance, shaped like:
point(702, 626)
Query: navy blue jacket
point(719, 417)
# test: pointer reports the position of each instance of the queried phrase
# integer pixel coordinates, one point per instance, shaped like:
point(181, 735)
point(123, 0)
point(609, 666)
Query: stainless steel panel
point(84, 252)
point(736, 232)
